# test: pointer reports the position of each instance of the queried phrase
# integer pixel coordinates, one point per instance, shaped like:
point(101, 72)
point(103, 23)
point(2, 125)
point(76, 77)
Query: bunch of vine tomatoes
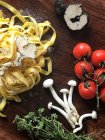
point(90, 69)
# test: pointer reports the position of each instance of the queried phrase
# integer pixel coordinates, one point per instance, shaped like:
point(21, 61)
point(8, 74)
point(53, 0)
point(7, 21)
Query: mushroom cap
point(72, 83)
point(49, 105)
point(48, 83)
point(94, 115)
point(64, 90)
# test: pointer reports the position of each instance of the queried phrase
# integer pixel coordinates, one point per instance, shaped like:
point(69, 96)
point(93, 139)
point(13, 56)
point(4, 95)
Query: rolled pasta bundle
point(22, 54)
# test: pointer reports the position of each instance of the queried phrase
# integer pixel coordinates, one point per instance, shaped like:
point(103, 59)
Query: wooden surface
point(63, 63)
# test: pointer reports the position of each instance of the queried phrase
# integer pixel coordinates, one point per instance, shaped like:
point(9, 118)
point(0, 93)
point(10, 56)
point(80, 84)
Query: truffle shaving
point(74, 17)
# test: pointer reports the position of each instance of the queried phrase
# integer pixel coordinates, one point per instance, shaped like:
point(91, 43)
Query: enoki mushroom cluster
point(68, 109)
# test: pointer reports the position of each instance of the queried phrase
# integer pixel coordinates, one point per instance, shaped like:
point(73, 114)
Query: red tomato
point(87, 90)
point(82, 50)
point(98, 57)
point(99, 75)
point(82, 68)
point(102, 95)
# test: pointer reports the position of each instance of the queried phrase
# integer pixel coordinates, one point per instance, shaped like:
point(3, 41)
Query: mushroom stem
point(67, 108)
point(50, 106)
point(75, 113)
point(72, 83)
point(56, 97)
point(93, 115)
point(70, 98)
point(48, 84)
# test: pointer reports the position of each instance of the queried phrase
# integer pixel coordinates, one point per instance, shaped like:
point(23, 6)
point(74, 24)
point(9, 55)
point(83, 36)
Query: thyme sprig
point(45, 128)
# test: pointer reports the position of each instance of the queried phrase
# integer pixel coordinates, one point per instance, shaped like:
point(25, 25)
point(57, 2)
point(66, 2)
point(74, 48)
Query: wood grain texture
point(63, 63)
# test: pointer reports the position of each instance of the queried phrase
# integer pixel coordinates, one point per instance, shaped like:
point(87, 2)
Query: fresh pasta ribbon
point(49, 65)
point(2, 105)
point(13, 10)
point(20, 72)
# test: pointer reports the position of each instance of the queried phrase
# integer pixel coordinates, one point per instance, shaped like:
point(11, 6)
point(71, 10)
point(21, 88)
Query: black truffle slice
point(74, 17)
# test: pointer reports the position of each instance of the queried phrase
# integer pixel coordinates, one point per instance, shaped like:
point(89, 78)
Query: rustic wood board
point(63, 63)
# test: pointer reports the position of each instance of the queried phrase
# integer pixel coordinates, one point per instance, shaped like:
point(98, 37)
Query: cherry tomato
point(82, 50)
point(98, 57)
point(87, 90)
point(102, 94)
point(99, 75)
point(82, 68)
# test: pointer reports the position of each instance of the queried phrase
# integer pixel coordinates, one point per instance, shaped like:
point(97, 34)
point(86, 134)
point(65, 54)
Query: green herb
point(45, 128)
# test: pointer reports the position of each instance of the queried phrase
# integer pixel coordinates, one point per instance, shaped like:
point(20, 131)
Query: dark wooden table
point(63, 63)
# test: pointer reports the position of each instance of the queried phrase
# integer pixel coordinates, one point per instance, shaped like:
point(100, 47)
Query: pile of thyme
point(41, 127)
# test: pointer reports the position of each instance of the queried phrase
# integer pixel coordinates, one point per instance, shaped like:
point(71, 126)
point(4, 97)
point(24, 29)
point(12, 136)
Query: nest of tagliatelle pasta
point(22, 52)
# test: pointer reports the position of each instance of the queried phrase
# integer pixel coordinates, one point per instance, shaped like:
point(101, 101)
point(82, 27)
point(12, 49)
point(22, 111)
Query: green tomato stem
point(97, 97)
point(87, 76)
